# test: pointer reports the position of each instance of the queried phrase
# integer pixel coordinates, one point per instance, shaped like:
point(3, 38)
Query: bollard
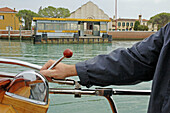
point(37, 39)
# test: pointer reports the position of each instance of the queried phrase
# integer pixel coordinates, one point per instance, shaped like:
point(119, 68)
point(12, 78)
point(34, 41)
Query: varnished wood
point(17, 84)
point(3, 85)
point(7, 109)
point(24, 91)
point(22, 106)
point(4, 82)
point(2, 92)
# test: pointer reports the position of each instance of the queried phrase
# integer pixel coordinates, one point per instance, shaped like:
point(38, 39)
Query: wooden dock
point(16, 34)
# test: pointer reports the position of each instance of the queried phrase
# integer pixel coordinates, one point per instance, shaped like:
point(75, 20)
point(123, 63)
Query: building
point(90, 11)
point(8, 18)
point(128, 24)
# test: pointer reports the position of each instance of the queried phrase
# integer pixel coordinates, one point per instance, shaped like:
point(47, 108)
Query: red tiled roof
point(122, 19)
point(6, 9)
point(144, 20)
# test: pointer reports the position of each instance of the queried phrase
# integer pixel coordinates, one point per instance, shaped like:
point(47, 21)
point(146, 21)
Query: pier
point(69, 40)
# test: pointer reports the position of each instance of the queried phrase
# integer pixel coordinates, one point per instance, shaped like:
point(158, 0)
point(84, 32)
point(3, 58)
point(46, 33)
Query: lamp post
point(115, 15)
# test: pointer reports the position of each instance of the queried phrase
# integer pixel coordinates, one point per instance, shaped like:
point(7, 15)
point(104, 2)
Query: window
point(123, 24)
point(64, 26)
point(68, 26)
point(145, 24)
point(49, 26)
point(73, 26)
point(119, 23)
point(1, 17)
point(103, 27)
point(56, 26)
point(131, 24)
point(40, 26)
point(127, 23)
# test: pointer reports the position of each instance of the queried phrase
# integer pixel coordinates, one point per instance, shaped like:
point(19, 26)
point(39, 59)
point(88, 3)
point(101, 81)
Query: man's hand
point(60, 71)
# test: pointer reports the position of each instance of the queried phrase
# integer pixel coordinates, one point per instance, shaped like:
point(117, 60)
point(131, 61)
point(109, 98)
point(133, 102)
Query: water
point(41, 53)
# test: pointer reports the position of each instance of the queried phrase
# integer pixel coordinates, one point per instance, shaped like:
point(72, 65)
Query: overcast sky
point(126, 8)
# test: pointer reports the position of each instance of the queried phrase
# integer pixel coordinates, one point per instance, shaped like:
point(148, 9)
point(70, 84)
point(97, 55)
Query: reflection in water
point(41, 53)
point(10, 49)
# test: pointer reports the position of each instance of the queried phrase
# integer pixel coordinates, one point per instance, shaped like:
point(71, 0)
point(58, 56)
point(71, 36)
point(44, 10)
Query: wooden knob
point(68, 53)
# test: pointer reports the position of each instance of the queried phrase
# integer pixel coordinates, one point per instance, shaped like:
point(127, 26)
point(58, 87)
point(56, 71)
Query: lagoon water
point(41, 53)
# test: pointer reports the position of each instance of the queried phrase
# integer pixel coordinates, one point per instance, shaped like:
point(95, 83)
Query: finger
point(48, 73)
point(48, 78)
point(47, 65)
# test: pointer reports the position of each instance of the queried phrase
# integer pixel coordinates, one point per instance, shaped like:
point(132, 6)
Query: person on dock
point(147, 60)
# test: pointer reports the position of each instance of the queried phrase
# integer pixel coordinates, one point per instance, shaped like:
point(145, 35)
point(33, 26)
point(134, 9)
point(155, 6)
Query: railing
point(77, 91)
point(16, 33)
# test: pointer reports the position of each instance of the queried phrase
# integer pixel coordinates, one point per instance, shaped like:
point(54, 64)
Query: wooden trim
point(6, 109)
point(22, 106)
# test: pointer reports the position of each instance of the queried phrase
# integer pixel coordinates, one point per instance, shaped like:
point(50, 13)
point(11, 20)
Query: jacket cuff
point(82, 73)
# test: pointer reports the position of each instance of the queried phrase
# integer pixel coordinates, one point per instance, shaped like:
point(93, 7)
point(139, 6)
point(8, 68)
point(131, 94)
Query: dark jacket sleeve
point(123, 66)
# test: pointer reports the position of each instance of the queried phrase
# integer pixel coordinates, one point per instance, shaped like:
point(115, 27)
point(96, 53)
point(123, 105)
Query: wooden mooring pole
point(9, 32)
point(20, 32)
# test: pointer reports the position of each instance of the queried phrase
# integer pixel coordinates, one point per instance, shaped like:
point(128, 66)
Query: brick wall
point(130, 34)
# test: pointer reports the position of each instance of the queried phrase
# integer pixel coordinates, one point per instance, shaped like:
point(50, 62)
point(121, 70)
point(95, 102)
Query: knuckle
point(51, 61)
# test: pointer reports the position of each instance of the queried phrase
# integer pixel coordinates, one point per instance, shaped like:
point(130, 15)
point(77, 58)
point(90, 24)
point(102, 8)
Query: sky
point(126, 8)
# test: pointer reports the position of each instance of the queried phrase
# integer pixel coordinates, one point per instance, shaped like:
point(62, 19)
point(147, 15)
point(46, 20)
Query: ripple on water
point(40, 53)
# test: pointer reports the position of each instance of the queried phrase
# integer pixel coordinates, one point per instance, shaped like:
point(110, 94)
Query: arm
point(123, 66)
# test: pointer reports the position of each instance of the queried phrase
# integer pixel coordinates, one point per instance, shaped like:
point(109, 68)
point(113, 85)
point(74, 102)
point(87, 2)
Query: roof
point(71, 19)
point(6, 9)
point(122, 19)
point(89, 2)
point(144, 20)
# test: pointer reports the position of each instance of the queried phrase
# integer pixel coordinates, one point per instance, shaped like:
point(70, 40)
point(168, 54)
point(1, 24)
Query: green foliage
point(62, 13)
point(27, 15)
point(160, 19)
point(54, 12)
point(48, 12)
point(136, 25)
point(142, 28)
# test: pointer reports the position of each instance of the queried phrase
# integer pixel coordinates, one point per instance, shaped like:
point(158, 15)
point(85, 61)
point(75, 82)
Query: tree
point(142, 28)
point(62, 13)
point(146, 28)
point(136, 25)
point(160, 19)
point(48, 12)
point(27, 15)
point(54, 12)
